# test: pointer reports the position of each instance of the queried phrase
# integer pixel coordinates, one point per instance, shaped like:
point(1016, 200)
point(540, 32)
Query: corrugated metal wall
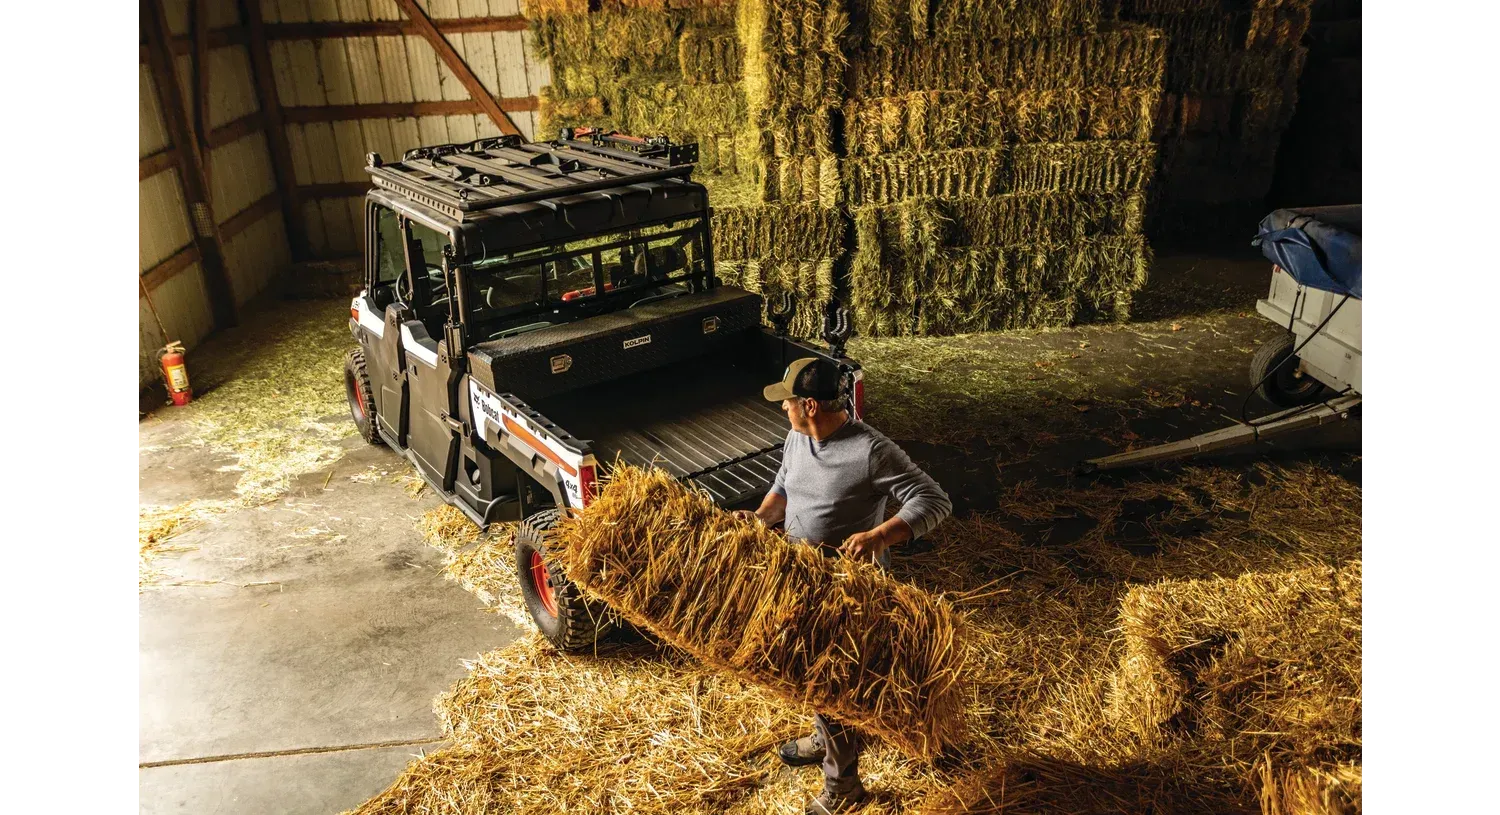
point(362, 70)
point(241, 178)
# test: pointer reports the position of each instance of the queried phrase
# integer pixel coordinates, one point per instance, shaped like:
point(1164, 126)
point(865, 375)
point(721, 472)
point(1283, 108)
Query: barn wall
point(328, 157)
point(242, 187)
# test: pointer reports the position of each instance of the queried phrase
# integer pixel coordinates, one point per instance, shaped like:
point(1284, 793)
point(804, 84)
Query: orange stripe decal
point(535, 444)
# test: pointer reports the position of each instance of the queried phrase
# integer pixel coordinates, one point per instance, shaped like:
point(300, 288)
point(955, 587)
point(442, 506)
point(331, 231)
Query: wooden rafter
point(205, 230)
point(456, 64)
point(275, 124)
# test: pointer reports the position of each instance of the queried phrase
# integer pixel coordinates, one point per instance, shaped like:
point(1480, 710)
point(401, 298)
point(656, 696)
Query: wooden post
point(190, 165)
point(199, 19)
point(457, 65)
point(281, 151)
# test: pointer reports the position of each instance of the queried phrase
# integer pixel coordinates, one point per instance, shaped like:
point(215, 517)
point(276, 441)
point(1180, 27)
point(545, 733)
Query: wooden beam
point(182, 45)
point(275, 123)
point(457, 65)
point(302, 114)
point(198, 19)
point(169, 268)
point(190, 161)
point(160, 161)
point(230, 132)
point(391, 28)
point(247, 217)
point(340, 189)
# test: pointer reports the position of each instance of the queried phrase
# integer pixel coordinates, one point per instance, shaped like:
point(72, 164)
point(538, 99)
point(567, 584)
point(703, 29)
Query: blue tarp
point(1317, 246)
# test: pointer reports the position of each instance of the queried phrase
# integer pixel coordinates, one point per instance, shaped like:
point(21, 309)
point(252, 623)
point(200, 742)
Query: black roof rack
point(462, 180)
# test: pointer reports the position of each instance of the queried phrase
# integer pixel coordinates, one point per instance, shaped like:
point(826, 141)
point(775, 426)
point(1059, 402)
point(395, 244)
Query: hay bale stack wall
point(1231, 88)
point(998, 158)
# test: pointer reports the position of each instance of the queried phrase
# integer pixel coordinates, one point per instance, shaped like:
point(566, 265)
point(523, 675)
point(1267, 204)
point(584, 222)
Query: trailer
point(1312, 369)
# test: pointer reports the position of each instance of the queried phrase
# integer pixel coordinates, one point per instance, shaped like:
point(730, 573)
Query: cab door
point(431, 438)
point(385, 358)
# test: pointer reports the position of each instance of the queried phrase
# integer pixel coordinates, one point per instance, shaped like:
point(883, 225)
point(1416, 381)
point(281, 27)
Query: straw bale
point(803, 178)
point(1331, 790)
point(905, 280)
point(709, 56)
point(1126, 57)
point(945, 120)
point(952, 174)
point(821, 633)
point(776, 232)
point(648, 105)
point(557, 112)
point(1082, 167)
point(891, 22)
point(809, 282)
point(796, 131)
point(793, 52)
point(1263, 663)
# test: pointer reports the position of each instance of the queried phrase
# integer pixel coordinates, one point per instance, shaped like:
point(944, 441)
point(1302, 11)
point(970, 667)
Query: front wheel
point(361, 397)
point(1289, 386)
point(558, 607)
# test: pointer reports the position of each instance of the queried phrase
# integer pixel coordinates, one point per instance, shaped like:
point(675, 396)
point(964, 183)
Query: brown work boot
point(834, 802)
point(803, 752)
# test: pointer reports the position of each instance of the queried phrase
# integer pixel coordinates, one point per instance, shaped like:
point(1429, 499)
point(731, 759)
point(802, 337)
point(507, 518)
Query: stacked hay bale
point(997, 158)
point(649, 67)
point(1231, 87)
point(1319, 160)
point(782, 249)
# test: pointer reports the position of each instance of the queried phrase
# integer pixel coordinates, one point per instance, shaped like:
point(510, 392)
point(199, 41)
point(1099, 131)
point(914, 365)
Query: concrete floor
point(290, 663)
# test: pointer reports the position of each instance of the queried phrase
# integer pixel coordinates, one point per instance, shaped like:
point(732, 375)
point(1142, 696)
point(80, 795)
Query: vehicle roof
point(540, 192)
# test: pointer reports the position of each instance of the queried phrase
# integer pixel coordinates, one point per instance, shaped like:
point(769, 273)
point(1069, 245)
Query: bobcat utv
point(535, 312)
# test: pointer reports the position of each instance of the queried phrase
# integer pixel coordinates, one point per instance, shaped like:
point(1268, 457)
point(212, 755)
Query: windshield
point(524, 288)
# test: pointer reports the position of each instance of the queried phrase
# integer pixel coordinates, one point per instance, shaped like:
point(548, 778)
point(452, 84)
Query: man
point(836, 475)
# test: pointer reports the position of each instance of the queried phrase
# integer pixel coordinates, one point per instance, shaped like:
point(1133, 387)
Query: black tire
point(361, 396)
point(1288, 387)
point(558, 607)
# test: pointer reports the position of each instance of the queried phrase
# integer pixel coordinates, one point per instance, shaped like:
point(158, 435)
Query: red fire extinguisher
point(174, 369)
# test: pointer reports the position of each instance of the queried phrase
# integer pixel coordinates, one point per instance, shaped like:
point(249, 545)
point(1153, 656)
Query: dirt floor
point(295, 625)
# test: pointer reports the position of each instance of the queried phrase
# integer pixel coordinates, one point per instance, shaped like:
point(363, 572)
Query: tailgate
point(702, 420)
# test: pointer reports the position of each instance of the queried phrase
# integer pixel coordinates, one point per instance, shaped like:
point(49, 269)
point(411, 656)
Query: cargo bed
point(703, 420)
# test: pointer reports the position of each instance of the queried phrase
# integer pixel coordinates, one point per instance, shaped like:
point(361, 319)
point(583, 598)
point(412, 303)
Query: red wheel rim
point(543, 585)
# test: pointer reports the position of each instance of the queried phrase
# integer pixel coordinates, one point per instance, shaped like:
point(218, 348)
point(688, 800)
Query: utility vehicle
point(534, 312)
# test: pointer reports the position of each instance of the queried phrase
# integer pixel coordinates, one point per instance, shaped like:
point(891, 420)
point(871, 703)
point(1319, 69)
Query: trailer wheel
point(361, 396)
point(558, 607)
point(1288, 387)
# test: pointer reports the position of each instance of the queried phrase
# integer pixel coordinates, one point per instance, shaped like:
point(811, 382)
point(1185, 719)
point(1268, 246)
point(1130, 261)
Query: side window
point(390, 257)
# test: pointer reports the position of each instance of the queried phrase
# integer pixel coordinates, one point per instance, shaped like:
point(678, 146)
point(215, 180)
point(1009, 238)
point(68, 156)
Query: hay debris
point(1261, 663)
point(1311, 790)
point(159, 526)
point(484, 564)
point(824, 634)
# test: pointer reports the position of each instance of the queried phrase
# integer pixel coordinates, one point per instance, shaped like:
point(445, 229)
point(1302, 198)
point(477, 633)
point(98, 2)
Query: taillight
point(586, 483)
point(859, 397)
point(354, 310)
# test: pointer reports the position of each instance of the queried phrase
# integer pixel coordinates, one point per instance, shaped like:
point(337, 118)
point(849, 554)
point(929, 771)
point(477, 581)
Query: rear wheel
point(1288, 386)
point(361, 396)
point(556, 605)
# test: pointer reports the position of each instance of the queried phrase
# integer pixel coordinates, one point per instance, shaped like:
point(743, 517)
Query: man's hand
point(746, 515)
point(866, 545)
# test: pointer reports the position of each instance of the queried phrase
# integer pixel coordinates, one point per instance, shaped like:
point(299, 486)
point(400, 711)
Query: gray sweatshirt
point(838, 486)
